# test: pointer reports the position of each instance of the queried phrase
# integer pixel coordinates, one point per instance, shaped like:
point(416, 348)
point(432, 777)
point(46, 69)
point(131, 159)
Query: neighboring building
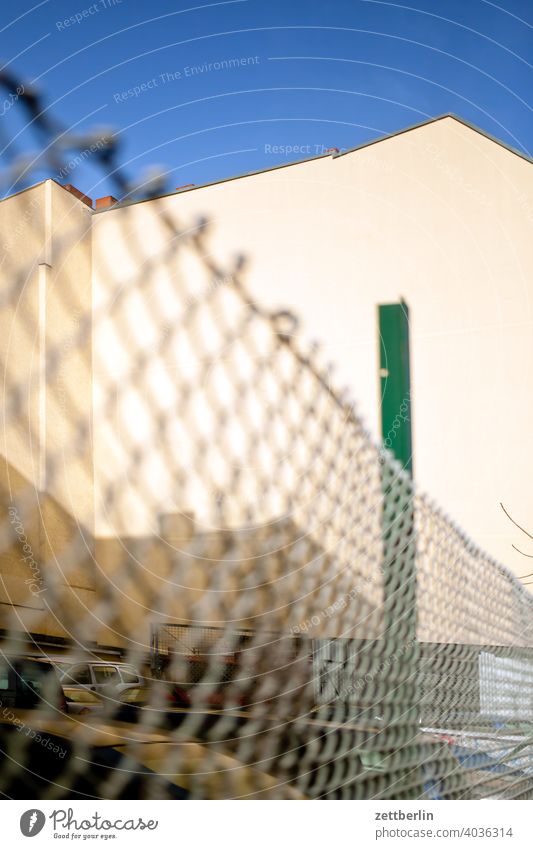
point(112, 317)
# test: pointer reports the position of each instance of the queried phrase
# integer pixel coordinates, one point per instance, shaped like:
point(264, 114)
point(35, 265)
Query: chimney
point(76, 192)
point(186, 186)
point(103, 203)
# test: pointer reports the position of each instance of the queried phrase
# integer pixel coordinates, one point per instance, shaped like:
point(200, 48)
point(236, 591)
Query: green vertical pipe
point(398, 534)
point(395, 380)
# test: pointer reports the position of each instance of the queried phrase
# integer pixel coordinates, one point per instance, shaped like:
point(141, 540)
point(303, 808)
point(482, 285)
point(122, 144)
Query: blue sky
point(305, 75)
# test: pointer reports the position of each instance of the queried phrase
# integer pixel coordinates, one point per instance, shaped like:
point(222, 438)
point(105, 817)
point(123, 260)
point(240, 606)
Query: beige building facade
point(125, 343)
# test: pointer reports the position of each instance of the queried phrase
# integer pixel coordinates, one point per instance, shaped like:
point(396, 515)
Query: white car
point(100, 677)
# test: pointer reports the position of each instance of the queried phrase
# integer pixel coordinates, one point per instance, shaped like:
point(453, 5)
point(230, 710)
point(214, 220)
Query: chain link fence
point(185, 490)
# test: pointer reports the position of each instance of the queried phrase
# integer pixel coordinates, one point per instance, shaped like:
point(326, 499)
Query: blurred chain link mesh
point(183, 487)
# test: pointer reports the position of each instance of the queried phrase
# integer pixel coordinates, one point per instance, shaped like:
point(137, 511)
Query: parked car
point(164, 705)
point(152, 765)
point(205, 686)
point(27, 682)
point(101, 677)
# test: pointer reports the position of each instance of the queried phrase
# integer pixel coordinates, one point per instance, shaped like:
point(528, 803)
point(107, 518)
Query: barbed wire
point(56, 144)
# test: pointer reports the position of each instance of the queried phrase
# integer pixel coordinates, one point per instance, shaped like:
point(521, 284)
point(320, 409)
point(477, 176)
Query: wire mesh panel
point(187, 497)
